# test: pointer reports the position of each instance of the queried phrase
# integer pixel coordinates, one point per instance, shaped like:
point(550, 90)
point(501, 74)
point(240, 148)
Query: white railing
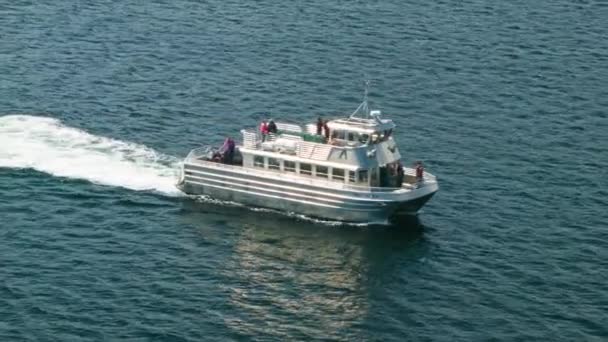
point(197, 153)
point(305, 149)
point(412, 172)
point(311, 128)
point(289, 127)
point(250, 139)
point(311, 180)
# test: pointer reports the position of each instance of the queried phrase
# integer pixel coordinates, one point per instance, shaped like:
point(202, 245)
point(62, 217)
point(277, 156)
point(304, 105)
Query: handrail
point(203, 150)
point(429, 179)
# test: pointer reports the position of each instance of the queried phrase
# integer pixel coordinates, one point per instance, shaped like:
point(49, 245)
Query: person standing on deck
point(264, 130)
point(227, 150)
point(400, 175)
point(419, 172)
point(320, 126)
point(272, 127)
point(231, 149)
point(326, 130)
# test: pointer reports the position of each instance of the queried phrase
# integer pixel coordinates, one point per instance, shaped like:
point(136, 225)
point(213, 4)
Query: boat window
point(322, 171)
point(352, 176)
point(363, 176)
point(375, 138)
point(274, 164)
point(351, 136)
point(305, 169)
point(337, 174)
point(363, 138)
point(338, 135)
point(378, 137)
point(258, 161)
point(289, 166)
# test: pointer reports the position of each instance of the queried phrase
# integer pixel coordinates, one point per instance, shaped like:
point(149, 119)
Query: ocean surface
point(505, 101)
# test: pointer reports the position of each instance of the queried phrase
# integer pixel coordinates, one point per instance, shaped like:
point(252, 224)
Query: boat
point(346, 169)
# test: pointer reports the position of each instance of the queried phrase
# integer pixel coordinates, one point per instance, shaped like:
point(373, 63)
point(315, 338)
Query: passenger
point(326, 130)
point(272, 127)
point(419, 171)
point(230, 153)
point(400, 175)
point(320, 126)
point(264, 130)
point(227, 150)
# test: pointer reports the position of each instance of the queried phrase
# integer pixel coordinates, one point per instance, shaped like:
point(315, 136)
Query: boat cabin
point(359, 151)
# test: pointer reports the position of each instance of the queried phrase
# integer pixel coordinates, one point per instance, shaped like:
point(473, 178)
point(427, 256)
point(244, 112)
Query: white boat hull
point(277, 191)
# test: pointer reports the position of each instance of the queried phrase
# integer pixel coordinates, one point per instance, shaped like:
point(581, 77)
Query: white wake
point(46, 145)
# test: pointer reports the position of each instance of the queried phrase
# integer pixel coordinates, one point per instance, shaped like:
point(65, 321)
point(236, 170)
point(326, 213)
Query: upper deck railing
point(291, 142)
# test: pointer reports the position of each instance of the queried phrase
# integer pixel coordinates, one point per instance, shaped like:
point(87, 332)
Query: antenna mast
point(366, 106)
point(363, 106)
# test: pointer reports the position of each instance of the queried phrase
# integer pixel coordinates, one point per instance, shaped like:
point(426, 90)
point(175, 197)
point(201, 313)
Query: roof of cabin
point(361, 125)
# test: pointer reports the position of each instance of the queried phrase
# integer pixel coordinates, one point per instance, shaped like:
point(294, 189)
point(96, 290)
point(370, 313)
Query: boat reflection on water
point(318, 275)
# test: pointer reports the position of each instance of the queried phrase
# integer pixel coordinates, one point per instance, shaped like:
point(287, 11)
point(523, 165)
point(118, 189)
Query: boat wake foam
point(46, 145)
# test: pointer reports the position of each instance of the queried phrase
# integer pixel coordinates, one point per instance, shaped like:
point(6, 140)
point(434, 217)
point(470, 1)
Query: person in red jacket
point(264, 130)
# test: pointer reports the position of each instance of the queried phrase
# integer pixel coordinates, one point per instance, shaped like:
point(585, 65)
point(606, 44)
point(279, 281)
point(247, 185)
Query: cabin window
point(337, 174)
point(258, 161)
point(363, 176)
point(289, 166)
point(363, 138)
point(305, 169)
point(352, 176)
point(351, 136)
point(274, 164)
point(338, 135)
point(322, 171)
point(374, 139)
point(378, 137)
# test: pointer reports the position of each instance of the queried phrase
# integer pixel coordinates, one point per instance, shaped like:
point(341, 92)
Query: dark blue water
point(506, 102)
